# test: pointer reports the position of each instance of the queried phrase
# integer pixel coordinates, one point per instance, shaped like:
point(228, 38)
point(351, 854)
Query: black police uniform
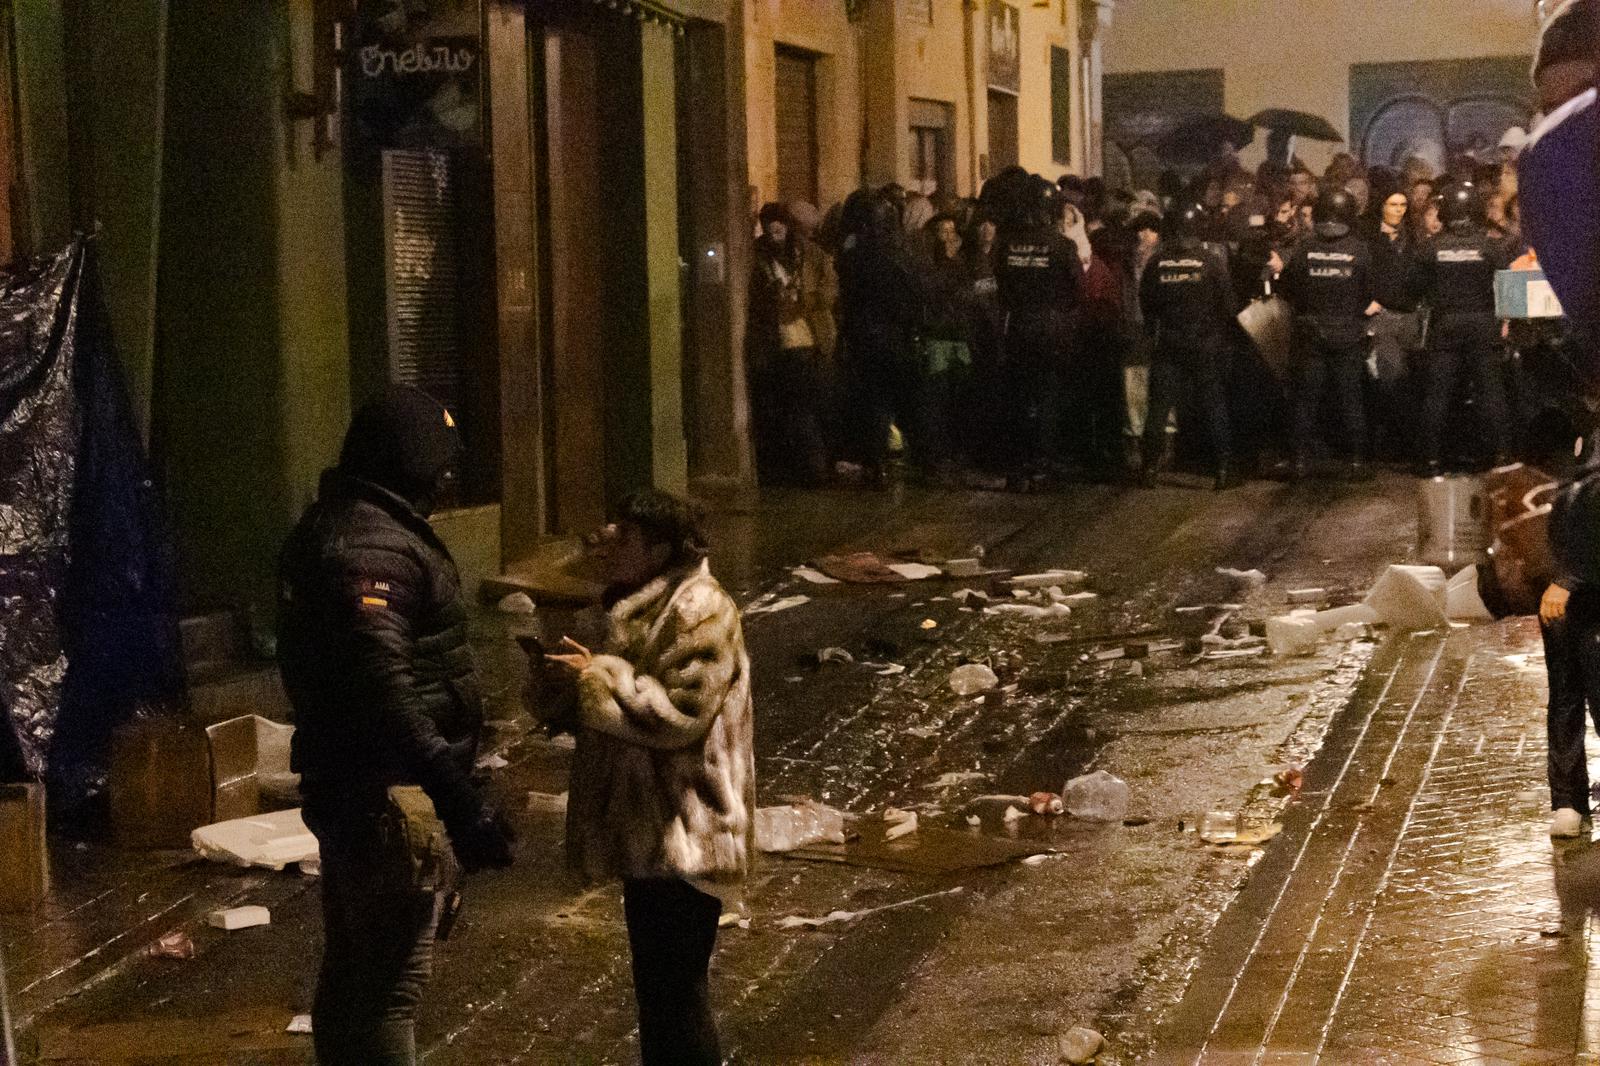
point(372, 644)
point(880, 307)
point(1455, 276)
point(1328, 282)
point(1188, 303)
point(1038, 272)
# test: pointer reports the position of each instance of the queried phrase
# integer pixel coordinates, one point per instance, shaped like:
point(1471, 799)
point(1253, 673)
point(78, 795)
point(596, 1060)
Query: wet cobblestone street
point(1412, 909)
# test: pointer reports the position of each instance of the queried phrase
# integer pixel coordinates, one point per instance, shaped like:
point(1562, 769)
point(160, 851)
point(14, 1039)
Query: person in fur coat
point(663, 779)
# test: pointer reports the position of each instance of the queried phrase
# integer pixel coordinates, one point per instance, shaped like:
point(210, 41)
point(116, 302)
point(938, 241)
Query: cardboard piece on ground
point(25, 869)
point(249, 763)
point(929, 850)
point(209, 1038)
point(860, 568)
point(160, 782)
point(1409, 597)
point(1293, 634)
point(271, 841)
point(1461, 600)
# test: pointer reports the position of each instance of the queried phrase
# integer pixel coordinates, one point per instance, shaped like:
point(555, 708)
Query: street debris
point(963, 567)
point(861, 568)
point(175, 945)
point(493, 761)
point(1311, 595)
point(958, 777)
point(1080, 1045)
point(1099, 797)
point(1014, 814)
point(1293, 634)
point(964, 596)
point(1248, 578)
point(835, 655)
point(1046, 803)
point(271, 841)
point(1289, 780)
point(733, 919)
point(929, 623)
point(1030, 611)
point(972, 678)
point(1227, 828)
point(899, 823)
point(547, 802)
point(798, 825)
point(815, 577)
point(1048, 578)
point(795, 921)
point(773, 606)
point(516, 603)
point(300, 1023)
point(1409, 598)
point(1462, 602)
point(916, 571)
point(232, 918)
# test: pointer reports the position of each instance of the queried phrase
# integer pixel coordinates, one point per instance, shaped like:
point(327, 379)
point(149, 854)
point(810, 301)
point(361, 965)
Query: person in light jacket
point(663, 777)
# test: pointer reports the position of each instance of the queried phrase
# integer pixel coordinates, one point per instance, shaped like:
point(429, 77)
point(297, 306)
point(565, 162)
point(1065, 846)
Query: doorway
point(1002, 130)
point(933, 168)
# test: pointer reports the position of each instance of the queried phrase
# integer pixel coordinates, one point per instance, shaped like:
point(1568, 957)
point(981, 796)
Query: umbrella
point(1296, 124)
point(1199, 137)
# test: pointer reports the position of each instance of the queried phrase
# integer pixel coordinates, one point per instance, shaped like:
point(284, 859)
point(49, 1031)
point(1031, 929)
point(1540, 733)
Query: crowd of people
point(1060, 331)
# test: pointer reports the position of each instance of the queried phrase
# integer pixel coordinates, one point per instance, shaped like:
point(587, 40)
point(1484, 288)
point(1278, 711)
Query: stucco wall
point(1298, 55)
point(1042, 28)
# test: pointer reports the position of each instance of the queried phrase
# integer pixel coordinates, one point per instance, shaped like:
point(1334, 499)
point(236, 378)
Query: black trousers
point(789, 402)
point(1316, 365)
point(1200, 372)
point(672, 931)
point(1463, 346)
point(889, 387)
point(377, 957)
point(1572, 663)
point(1036, 352)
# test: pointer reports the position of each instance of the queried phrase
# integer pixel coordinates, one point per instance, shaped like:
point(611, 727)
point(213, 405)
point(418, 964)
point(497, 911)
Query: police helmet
point(1460, 206)
point(1334, 213)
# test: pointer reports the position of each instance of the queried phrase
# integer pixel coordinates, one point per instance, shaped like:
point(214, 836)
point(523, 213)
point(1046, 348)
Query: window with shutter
point(421, 240)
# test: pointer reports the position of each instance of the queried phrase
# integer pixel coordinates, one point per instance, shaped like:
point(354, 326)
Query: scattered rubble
point(1462, 603)
point(300, 1023)
point(1046, 803)
point(1409, 598)
point(916, 571)
point(903, 825)
point(1248, 578)
point(1100, 797)
point(764, 605)
point(271, 841)
point(1311, 595)
point(835, 655)
point(1080, 1045)
point(175, 945)
point(798, 825)
point(1048, 578)
point(232, 918)
point(814, 577)
point(972, 678)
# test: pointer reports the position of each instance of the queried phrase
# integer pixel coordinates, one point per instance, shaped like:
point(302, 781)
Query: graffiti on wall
point(1437, 109)
point(1141, 110)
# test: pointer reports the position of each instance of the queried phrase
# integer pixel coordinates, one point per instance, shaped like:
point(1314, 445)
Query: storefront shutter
point(421, 237)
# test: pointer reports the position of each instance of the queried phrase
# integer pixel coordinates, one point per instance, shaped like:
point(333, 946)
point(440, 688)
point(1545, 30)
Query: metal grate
point(421, 242)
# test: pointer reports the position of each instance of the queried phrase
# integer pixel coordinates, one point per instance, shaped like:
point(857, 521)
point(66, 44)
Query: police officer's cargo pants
point(377, 957)
point(1572, 661)
point(1317, 363)
point(1199, 372)
point(1463, 346)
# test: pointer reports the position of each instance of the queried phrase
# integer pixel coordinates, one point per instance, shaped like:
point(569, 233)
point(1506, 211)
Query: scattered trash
point(232, 918)
point(1311, 595)
point(547, 802)
point(1409, 597)
point(175, 945)
point(970, 679)
point(974, 820)
point(1046, 803)
point(894, 815)
point(1257, 834)
point(861, 568)
point(1080, 1045)
point(1251, 652)
point(1289, 780)
point(1049, 577)
point(300, 1023)
point(797, 825)
point(1219, 827)
point(815, 577)
point(733, 919)
point(516, 603)
point(1336, 618)
point(1293, 634)
point(963, 567)
point(1099, 797)
point(916, 571)
point(1041, 858)
point(923, 732)
point(766, 606)
point(272, 841)
point(835, 655)
point(1078, 598)
point(929, 623)
point(1105, 655)
point(492, 761)
point(963, 595)
point(958, 777)
point(1031, 611)
point(1014, 814)
point(902, 827)
point(1250, 578)
point(835, 917)
point(1462, 603)
point(886, 669)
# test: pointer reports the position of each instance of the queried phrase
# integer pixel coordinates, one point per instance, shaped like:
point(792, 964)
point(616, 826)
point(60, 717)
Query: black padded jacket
point(372, 643)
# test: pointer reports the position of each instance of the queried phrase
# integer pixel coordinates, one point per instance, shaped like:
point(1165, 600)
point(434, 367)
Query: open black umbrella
point(1198, 138)
point(1296, 124)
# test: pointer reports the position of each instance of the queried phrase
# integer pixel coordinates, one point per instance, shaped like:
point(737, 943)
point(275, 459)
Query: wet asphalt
point(1106, 932)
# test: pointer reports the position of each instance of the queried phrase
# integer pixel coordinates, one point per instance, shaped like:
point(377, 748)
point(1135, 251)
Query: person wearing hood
point(372, 644)
point(1454, 274)
point(1328, 283)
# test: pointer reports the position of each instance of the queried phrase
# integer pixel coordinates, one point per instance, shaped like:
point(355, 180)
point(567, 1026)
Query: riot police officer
point(1038, 272)
point(1328, 282)
point(1188, 303)
point(1455, 276)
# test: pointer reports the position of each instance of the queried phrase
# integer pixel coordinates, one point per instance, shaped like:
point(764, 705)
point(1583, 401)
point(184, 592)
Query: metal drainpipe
point(969, 60)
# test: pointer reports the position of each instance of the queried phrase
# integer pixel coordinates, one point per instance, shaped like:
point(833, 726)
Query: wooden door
point(797, 126)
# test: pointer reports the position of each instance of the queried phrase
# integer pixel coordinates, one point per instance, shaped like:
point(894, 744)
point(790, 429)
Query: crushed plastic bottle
point(971, 679)
point(1099, 796)
point(798, 825)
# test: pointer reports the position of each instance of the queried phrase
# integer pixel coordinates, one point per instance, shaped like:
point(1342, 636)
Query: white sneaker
point(1566, 822)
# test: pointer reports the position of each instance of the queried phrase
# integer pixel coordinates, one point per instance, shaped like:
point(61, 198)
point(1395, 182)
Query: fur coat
point(663, 779)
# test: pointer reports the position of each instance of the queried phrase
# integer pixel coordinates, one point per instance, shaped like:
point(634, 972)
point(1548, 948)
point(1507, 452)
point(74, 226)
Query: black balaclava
point(404, 441)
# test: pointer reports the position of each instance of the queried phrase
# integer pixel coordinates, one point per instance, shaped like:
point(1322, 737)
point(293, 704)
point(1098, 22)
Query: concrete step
point(219, 691)
point(214, 637)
